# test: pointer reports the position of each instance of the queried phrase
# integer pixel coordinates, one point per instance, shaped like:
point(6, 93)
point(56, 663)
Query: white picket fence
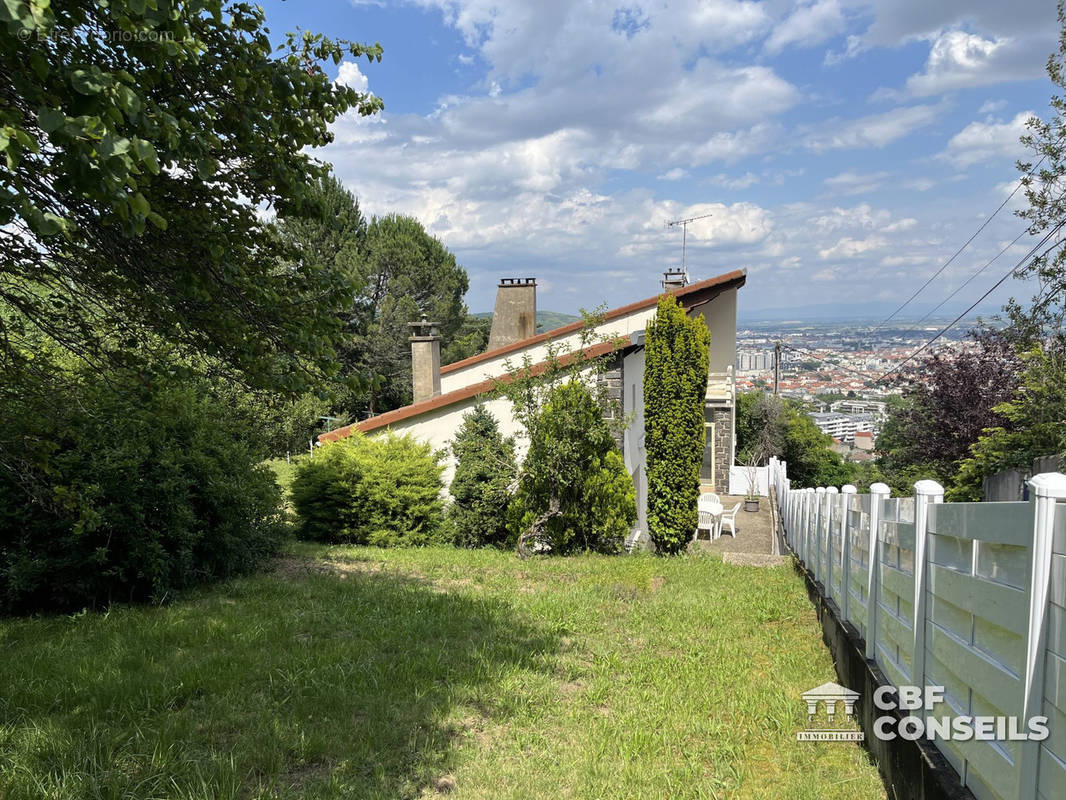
point(969, 596)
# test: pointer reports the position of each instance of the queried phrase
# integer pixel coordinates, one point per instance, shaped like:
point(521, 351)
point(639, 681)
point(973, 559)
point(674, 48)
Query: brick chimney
point(425, 359)
point(515, 315)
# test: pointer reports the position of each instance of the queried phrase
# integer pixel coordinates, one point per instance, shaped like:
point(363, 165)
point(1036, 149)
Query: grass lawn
point(357, 673)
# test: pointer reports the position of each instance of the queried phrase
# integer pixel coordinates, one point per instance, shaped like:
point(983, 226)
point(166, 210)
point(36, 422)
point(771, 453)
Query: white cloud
point(904, 224)
point(982, 141)
point(992, 106)
point(876, 130)
point(849, 248)
point(959, 60)
point(674, 174)
point(853, 45)
point(576, 129)
point(738, 182)
point(808, 25)
point(349, 74)
point(851, 183)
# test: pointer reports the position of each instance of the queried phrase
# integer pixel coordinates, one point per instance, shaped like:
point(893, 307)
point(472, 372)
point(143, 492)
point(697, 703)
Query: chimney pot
point(674, 279)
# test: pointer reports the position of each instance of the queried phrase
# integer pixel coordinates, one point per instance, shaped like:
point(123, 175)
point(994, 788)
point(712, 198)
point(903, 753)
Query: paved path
point(753, 543)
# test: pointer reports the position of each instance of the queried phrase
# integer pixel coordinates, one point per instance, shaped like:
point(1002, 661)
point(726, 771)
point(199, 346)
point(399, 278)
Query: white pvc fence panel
point(740, 480)
point(968, 596)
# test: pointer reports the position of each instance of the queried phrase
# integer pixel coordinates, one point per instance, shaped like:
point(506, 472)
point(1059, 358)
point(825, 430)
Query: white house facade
point(443, 395)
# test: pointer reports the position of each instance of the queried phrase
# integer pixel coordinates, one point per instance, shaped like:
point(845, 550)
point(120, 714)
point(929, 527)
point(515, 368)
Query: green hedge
point(127, 493)
point(676, 352)
point(382, 490)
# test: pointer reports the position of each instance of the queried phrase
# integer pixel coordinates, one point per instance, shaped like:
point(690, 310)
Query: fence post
point(879, 492)
point(830, 499)
point(926, 492)
point(845, 547)
point(808, 518)
point(812, 516)
point(788, 505)
point(816, 533)
point(1046, 490)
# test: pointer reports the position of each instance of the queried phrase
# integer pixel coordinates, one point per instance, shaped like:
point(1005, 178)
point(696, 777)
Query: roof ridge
point(620, 311)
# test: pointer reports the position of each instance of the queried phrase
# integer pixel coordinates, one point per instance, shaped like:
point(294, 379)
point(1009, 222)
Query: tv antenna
point(684, 234)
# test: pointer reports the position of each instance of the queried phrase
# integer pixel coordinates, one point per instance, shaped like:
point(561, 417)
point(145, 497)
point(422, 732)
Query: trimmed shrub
point(676, 352)
point(573, 478)
point(481, 488)
point(384, 490)
point(127, 494)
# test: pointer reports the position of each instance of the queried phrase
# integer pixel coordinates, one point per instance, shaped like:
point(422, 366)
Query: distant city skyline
point(845, 148)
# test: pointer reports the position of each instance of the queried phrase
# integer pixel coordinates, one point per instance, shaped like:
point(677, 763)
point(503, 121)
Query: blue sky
point(845, 149)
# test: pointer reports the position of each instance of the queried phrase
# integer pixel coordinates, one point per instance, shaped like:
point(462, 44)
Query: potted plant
point(751, 499)
point(767, 414)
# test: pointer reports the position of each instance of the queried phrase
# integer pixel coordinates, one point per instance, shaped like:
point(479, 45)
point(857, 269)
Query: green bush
point(383, 491)
point(481, 488)
point(573, 463)
point(676, 351)
point(126, 493)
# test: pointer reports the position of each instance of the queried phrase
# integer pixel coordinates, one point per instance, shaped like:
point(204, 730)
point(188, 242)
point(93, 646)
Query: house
point(443, 395)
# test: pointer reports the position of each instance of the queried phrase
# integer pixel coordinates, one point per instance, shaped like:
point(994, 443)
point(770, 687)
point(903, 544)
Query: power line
point(994, 286)
point(966, 283)
point(959, 251)
point(987, 264)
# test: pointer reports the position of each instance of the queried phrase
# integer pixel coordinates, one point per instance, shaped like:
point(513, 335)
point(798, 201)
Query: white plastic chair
point(710, 509)
point(730, 518)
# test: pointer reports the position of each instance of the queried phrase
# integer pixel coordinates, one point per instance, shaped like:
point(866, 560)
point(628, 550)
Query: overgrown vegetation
point(157, 337)
point(573, 490)
point(382, 490)
point(676, 351)
point(485, 470)
point(384, 674)
point(135, 492)
point(767, 425)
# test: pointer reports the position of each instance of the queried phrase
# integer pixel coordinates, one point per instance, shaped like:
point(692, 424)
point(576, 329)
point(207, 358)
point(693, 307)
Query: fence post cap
point(832, 490)
point(848, 489)
point(879, 488)
point(928, 487)
point(1049, 484)
point(820, 489)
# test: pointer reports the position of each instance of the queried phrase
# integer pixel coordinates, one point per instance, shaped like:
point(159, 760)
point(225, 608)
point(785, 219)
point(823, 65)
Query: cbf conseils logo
point(833, 699)
point(908, 712)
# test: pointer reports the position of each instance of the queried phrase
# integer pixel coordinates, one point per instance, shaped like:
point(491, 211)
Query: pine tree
point(481, 489)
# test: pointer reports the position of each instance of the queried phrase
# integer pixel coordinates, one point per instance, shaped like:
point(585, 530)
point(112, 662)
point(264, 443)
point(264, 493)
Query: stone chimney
point(515, 316)
point(425, 359)
point(674, 279)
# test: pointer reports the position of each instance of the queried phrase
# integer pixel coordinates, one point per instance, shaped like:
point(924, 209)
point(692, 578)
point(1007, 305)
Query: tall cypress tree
point(676, 352)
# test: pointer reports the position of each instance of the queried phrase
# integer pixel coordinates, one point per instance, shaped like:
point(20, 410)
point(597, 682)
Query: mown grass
point(355, 673)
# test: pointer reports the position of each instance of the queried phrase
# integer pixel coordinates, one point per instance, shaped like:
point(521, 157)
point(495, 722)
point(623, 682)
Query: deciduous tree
point(139, 142)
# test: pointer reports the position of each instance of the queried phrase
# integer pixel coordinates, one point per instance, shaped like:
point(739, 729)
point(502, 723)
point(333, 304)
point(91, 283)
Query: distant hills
point(853, 312)
point(546, 320)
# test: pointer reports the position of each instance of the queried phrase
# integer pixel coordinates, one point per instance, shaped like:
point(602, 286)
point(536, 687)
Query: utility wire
point(967, 282)
point(959, 251)
point(994, 286)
